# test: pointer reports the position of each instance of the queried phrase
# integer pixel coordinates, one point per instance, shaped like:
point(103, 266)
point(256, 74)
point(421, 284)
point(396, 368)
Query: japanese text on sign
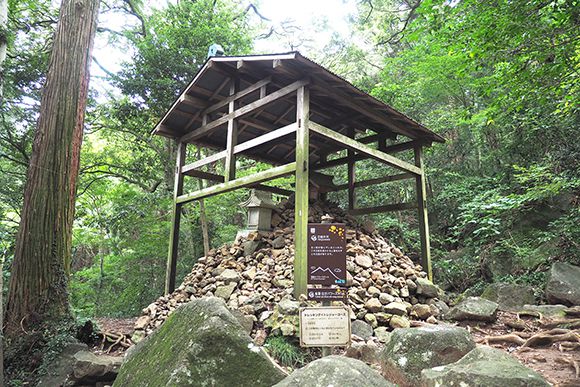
point(324, 327)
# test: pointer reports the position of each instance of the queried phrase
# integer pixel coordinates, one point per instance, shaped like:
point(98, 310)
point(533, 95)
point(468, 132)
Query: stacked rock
point(255, 273)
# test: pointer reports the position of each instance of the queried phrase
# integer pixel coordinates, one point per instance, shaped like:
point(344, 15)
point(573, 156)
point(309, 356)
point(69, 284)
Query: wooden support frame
point(395, 148)
point(270, 136)
point(384, 208)
point(232, 135)
point(378, 180)
point(357, 146)
point(171, 269)
point(301, 196)
point(421, 190)
point(220, 179)
point(351, 172)
point(206, 129)
point(241, 182)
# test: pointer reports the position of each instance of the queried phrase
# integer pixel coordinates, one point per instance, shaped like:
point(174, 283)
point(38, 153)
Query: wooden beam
point(351, 173)
point(357, 146)
point(241, 182)
point(301, 196)
point(270, 136)
point(421, 190)
point(208, 128)
point(378, 180)
point(220, 179)
point(171, 269)
point(200, 163)
point(361, 156)
point(232, 135)
point(238, 95)
point(385, 208)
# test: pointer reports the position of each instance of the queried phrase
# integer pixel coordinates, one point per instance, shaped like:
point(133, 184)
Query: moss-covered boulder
point(511, 297)
point(484, 366)
point(200, 344)
point(474, 308)
point(334, 371)
point(414, 349)
point(563, 285)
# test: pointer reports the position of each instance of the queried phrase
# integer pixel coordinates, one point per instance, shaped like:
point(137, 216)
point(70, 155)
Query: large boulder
point(511, 297)
point(474, 308)
point(484, 366)
point(89, 368)
point(411, 350)
point(334, 371)
point(200, 344)
point(563, 284)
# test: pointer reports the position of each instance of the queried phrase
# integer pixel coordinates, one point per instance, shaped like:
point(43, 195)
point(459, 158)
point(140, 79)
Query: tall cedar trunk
point(39, 275)
point(3, 48)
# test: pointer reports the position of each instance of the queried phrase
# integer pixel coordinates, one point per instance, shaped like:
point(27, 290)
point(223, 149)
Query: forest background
point(498, 79)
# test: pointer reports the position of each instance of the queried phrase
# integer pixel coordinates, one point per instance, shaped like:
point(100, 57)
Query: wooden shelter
point(287, 111)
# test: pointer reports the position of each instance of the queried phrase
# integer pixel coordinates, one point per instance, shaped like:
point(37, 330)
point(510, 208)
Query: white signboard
point(324, 326)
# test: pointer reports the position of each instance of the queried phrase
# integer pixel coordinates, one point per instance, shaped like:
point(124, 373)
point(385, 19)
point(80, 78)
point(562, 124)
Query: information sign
point(325, 326)
point(326, 254)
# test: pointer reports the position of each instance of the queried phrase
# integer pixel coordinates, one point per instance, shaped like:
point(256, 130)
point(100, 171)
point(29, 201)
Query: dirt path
point(557, 360)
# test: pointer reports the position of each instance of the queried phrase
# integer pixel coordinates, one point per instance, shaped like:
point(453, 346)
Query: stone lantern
point(259, 205)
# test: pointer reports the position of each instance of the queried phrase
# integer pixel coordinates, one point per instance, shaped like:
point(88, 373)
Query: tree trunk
point(3, 42)
point(39, 276)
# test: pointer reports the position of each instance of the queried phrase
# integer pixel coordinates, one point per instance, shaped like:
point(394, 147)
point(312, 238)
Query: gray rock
point(546, 310)
point(563, 286)
point(229, 275)
point(509, 297)
point(90, 368)
point(474, 308)
point(279, 242)
point(427, 288)
point(225, 291)
point(250, 247)
point(245, 321)
point(396, 308)
point(61, 368)
point(334, 371)
point(411, 350)
point(363, 261)
point(399, 322)
point(361, 329)
point(386, 298)
point(483, 366)
point(383, 334)
point(373, 305)
point(201, 343)
point(288, 307)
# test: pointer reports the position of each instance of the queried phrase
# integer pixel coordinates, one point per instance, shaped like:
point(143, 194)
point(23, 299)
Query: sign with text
point(325, 326)
point(327, 294)
point(326, 254)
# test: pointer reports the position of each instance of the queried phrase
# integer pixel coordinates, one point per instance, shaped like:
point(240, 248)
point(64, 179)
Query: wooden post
point(175, 221)
point(232, 137)
point(351, 174)
point(421, 190)
point(301, 196)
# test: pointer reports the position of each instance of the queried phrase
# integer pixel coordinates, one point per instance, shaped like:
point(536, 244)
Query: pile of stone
point(254, 275)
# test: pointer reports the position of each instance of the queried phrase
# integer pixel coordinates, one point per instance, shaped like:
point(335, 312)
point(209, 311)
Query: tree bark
point(3, 49)
point(39, 276)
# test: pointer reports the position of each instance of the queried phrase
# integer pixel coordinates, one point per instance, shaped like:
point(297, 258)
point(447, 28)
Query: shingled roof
point(334, 102)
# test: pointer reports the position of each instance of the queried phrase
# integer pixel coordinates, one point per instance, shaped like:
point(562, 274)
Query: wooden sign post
point(326, 326)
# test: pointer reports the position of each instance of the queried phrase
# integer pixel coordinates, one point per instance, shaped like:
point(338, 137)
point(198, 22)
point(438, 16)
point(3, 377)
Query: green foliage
point(286, 351)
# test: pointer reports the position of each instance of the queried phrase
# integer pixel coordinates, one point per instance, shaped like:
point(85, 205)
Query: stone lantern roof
point(259, 199)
